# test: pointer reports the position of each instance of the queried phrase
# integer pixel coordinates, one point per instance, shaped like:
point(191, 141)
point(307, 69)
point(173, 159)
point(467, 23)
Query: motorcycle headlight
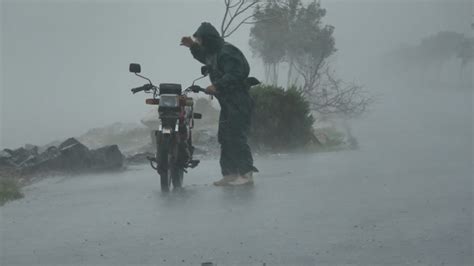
point(169, 101)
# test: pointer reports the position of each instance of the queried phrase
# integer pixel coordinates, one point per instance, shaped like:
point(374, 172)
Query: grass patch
point(9, 190)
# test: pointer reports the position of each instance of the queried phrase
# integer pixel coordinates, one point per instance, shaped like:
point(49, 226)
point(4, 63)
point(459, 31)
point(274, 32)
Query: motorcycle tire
point(177, 172)
point(177, 177)
point(163, 159)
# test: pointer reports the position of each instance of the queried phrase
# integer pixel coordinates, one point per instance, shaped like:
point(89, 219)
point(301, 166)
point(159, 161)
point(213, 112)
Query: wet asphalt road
point(403, 198)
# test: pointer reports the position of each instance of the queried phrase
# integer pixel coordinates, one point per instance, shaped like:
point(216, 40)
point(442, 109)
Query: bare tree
point(236, 15)
point(333, 95)
point(309, 68)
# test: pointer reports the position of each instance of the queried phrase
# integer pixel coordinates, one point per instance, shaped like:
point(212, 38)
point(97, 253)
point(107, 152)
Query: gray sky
point(65, 63)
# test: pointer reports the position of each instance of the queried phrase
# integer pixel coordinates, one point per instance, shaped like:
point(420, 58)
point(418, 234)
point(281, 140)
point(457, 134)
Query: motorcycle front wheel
point(177, 177)
point(163, 159)
point(169, 171)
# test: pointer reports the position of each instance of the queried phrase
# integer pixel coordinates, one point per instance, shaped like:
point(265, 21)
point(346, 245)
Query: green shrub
point(282, 119)
point(9, 190)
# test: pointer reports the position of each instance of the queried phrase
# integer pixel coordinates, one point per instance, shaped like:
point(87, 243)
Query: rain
point(383, 176)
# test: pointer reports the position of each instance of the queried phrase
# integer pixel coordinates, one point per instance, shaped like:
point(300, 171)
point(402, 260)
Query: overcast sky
point(65, 63)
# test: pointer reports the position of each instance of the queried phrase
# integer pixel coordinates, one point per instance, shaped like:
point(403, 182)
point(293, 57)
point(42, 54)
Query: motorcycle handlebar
point(193, 88)
point(196, 88)
point(141, 88)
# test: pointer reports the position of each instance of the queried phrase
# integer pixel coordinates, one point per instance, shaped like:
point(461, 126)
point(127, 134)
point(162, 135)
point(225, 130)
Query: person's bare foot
point(225, 180)
point(246, 179)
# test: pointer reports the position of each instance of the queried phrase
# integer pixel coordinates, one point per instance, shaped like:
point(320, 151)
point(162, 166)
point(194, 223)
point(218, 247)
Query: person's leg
point(240, 152)
point(241, 155)
point(228, 168)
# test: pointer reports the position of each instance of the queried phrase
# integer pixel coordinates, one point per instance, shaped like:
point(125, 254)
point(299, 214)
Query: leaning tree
point(291, 32)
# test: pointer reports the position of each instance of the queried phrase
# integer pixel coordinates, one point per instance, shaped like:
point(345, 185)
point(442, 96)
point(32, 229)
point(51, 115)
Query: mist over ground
point(404, 197)
point(64, 64)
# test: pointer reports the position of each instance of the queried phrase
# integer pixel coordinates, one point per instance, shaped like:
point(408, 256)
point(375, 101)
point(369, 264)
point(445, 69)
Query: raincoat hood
point(211, 39)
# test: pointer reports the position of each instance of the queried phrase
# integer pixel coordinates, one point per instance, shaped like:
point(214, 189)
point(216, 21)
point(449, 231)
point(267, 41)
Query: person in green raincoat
point(228, 70)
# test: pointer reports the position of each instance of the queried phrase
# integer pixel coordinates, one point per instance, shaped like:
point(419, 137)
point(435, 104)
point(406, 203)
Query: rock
point(31, 148)
point(5, 159)
point(19, 158)
point(71, 142)
point(49, 160)
point(74, 156)
point(28, 162)
point(70, 156)
point(6, 153)
point(21, 154)
point(107, 158)
point(139, 158)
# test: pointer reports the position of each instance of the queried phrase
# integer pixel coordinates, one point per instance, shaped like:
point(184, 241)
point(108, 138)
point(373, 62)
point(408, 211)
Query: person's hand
point(211, 90)
point(187, 41)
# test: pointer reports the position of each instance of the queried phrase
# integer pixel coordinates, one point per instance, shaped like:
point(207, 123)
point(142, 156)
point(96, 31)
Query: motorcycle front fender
point(167, 131)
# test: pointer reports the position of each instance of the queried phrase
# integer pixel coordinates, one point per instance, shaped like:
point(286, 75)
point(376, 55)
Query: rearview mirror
point(204, 70)
point(135, 68)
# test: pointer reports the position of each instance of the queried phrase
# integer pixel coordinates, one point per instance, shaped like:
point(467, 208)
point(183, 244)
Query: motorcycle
point(174, 146)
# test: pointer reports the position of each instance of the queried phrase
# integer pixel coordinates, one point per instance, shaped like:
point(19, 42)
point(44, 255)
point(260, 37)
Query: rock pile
point(71, 156)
